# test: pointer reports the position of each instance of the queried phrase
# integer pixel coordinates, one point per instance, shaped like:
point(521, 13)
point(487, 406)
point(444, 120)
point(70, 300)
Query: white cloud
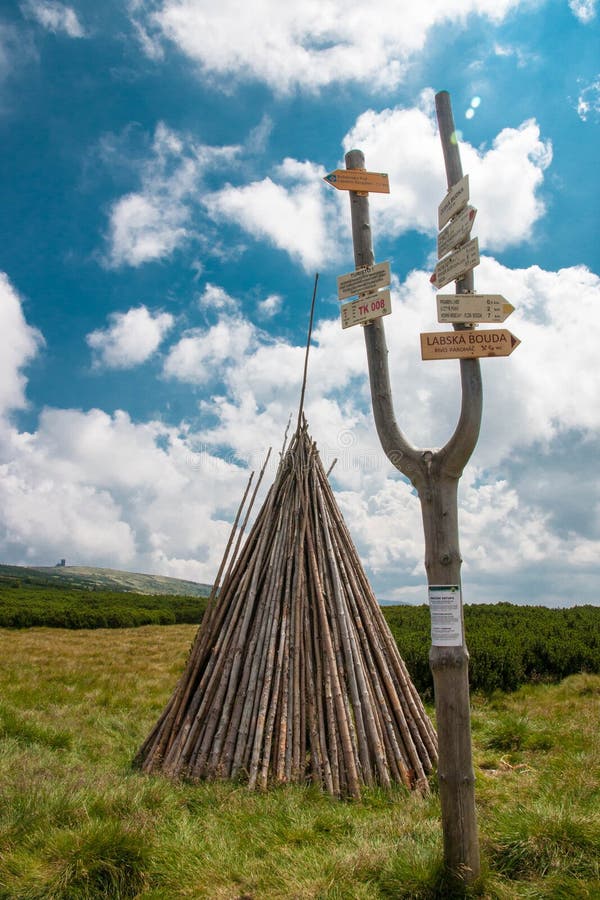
point(294, 210)
point(504, 179)
point(523, 57)
point(297, 212)
point(145, 228)
point(197, 356)
point(588, 102)
point(101, 490)
point(98, 488)
point(584, 10)
point(292, 216)
point(54, 16)
point(270, 306)
point(150, 224)
point(130, 339)
point(310, 46)
point(529, 408)
point(216, 298)
point(20, 343)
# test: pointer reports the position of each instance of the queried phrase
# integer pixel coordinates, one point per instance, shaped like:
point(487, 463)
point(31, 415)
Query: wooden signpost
point(435, 473)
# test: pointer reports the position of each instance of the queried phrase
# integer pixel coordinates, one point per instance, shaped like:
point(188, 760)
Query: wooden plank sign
point(467, 344)
point(363, 281)
point(456, 232)
point(371, 306)
point(457, 264)
point(359, 180)
point(468, 308)
point(455, 200)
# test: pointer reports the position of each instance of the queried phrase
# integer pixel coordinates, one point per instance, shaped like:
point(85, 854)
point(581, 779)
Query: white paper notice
point(446, 619)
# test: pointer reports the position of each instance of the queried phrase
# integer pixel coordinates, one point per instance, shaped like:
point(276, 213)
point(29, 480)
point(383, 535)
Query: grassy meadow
point(77, 822)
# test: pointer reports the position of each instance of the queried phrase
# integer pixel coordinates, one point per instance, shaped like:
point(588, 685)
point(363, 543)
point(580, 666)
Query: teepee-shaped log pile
point(294, 675)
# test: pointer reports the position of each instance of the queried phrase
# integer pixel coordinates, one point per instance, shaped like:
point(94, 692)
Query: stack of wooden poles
point(294, 675)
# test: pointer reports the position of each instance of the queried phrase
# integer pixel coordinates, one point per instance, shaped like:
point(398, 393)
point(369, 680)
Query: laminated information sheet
point(446, 619)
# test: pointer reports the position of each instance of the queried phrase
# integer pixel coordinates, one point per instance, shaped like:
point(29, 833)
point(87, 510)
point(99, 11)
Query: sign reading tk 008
point(370, 306)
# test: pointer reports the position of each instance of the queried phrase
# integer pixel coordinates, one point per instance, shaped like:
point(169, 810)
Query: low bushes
point(509, 645)
point(27, 606)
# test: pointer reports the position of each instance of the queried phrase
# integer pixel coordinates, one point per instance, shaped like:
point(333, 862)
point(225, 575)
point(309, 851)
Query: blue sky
point(164, 214)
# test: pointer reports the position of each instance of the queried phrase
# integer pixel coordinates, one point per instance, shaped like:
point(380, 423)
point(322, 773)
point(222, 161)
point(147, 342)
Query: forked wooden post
point(435, 475)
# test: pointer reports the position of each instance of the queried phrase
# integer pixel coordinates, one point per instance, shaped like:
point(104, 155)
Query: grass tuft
point(105, 859)
point(513, 732)
point(28, 731)
point(546, 839)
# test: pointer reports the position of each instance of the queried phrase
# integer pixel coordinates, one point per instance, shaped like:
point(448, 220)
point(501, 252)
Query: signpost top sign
point(359, 180)
point(455, 200)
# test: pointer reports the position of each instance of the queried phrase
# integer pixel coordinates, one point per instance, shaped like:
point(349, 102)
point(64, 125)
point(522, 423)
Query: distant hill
point(104, 579)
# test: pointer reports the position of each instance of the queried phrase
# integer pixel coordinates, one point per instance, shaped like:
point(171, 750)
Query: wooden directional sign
point(467, 344)
point(457, 264)
point(473, 308)
point(455, 200)
point(371, 306)
point(359, 180)
point(363, 281)
point(456, 232)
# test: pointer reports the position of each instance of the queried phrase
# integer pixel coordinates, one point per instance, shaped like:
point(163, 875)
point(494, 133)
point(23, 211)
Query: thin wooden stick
point(310, 326)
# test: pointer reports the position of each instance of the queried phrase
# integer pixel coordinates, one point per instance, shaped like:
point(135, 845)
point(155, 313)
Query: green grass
point(76, 821)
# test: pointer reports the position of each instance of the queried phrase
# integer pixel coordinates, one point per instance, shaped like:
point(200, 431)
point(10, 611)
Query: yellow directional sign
point(467, 344)
point(472, 308)
point(359, 180)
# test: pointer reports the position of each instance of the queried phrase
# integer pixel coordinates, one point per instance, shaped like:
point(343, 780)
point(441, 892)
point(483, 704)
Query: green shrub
point(51, 606)
point(509, 645)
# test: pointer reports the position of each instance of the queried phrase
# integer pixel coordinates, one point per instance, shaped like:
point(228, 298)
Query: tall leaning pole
point(435, 475)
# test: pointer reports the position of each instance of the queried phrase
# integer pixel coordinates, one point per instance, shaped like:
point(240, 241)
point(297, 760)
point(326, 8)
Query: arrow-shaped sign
point(457, 264)
point(455, 200)
point(456, 232)
point(473, 308)
point(359, 180)
point(467, 344)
